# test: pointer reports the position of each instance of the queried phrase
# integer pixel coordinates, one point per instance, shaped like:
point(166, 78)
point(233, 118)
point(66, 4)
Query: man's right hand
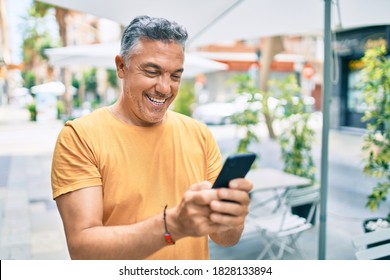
point(192, 216)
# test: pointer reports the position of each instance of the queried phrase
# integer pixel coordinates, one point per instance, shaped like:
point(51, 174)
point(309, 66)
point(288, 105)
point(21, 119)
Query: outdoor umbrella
point(56, 88)
point(226, 20)
point(103, 55)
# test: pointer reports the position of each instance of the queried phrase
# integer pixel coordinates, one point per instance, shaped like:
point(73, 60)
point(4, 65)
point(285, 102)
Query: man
point(133, 180)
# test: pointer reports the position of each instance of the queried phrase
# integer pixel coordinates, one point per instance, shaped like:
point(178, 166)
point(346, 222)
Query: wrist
point(172, 224)
point(167, 234)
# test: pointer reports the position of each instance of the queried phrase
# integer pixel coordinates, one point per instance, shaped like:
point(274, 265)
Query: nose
point(164, 84)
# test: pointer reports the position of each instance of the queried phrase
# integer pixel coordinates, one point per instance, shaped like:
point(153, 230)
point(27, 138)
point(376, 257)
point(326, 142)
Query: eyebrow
point(158, 67)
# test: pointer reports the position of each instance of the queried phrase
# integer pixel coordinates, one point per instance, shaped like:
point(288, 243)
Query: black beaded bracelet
point(167, 234)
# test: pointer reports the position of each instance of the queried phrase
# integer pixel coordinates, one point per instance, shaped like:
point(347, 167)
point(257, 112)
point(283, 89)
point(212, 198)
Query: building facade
point(349, 46)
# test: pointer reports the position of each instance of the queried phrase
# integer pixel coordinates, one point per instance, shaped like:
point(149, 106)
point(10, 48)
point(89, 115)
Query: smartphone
point(235, 166)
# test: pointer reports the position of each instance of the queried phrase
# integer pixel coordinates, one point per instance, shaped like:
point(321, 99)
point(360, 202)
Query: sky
point(17, 9)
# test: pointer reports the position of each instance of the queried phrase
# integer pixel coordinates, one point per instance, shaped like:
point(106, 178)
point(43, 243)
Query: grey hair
point(150, 28)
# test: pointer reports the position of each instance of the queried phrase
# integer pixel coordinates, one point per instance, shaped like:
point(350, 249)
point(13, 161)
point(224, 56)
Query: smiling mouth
point(156, 101)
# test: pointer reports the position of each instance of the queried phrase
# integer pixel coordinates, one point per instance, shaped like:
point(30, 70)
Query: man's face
point(151, 80)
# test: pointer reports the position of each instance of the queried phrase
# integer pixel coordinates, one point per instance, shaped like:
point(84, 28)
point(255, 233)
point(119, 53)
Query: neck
point(118, 109)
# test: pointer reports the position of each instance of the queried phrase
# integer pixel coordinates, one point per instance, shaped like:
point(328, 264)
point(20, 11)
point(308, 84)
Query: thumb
point(205, 185)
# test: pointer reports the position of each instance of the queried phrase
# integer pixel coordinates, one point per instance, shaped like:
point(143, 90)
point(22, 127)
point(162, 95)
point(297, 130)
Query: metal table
point(265, 179)
point(278, 181)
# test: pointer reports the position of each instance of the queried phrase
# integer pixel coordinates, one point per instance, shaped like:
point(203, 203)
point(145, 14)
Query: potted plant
point(248, 118)
point(258, 104)
point(32, 108)
point(185, 99)
point(60, 109)
point(375, 85)
point(296, 136)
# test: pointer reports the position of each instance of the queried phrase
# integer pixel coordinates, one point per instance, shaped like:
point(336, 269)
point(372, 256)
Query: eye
point(151, 73)
point(176, 77)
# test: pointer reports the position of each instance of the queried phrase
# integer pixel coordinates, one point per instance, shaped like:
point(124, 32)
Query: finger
point(208, 229)
point(239, 196)
point(241, 184)
point(228, 208)
point(201, 186)
point(202, 197)
point(219, 228)
point(196, 210)
point(227, 220)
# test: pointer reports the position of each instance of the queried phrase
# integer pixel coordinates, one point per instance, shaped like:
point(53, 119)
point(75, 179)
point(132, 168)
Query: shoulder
point(93, 120)
point(190, 127)
point(186, 121)
point(86, 126)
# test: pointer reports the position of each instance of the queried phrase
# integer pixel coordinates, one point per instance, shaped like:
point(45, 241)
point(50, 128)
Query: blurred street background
point(253, 69)
point(30, 226)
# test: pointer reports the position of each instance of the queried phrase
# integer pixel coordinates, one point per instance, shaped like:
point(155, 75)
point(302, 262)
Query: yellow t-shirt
point(141, 169)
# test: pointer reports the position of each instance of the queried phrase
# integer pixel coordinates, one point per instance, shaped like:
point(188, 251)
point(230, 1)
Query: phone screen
point(235, 166)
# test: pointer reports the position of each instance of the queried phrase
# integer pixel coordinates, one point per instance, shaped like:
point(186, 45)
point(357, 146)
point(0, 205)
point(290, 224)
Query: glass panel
point(355, 101)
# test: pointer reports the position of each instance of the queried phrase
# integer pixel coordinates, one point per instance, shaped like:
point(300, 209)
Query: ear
point(120, 66)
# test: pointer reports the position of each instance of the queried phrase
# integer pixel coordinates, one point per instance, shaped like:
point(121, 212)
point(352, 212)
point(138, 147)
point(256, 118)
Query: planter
point(33, 116)
point(373, 224)
point(32, 108)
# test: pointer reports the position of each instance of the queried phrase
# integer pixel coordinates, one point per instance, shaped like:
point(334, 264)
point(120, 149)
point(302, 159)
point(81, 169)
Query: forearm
point(136, 241)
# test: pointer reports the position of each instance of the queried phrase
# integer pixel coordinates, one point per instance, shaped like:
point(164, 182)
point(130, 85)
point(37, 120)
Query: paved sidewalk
point(30, 226)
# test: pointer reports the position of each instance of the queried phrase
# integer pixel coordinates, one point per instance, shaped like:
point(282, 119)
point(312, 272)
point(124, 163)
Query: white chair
point(281, 230)
point(362, 240)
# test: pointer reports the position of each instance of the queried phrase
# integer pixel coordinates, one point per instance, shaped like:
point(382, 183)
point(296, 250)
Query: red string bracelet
point(167, 234)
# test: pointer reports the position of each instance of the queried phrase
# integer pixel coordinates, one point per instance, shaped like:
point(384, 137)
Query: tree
point(60, 15)
point(296, 137)
point(185, 99)
point(36, 38)
point(40, 10)
point(273, 46)
point(248, 119)
point(375, 85)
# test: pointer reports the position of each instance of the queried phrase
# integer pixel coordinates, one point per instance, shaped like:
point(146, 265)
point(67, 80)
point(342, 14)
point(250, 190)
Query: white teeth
point(155, 100)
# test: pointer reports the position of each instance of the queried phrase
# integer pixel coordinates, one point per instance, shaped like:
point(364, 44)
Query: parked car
point(216, 113)
point(220, 113)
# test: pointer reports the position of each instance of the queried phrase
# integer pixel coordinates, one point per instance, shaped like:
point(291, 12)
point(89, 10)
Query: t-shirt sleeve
point(214, 160)
point(74, 163)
